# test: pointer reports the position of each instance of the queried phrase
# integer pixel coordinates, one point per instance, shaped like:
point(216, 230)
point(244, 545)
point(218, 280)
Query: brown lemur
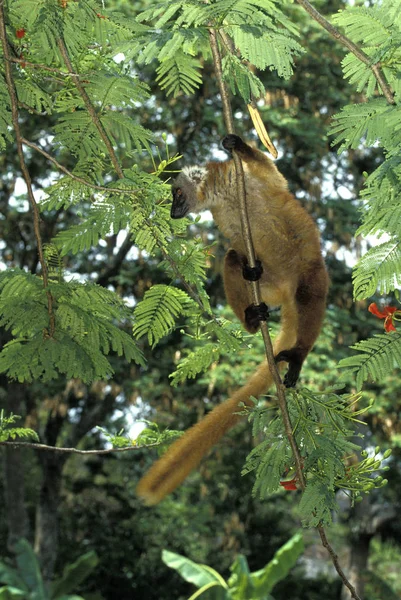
point(292, 275)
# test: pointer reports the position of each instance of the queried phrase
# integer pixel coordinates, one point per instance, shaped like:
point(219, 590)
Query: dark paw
point(295, 359)
point(254, 314)
point(252, 273)
point(232, 142)
point(291, 377)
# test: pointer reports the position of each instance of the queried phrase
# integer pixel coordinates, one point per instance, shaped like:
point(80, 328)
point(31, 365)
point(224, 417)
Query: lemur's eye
point(178, 192)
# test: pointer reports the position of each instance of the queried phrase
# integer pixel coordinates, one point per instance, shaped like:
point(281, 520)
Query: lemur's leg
point(310, 300)
point(238, 292)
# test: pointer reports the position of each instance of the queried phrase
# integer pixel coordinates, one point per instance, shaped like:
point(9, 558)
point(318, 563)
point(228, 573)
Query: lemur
point(292, 275)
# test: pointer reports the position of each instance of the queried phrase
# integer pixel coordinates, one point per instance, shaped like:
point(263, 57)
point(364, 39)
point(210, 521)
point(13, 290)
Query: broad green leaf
point(199, 575)
point(74, 574)
point(280, 565)
point(28, 566)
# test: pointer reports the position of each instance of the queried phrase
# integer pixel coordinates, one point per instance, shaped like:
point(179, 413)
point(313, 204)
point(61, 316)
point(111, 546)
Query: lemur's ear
point(195, 173)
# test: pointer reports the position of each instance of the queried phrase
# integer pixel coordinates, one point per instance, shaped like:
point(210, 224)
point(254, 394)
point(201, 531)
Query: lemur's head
point(185, 190)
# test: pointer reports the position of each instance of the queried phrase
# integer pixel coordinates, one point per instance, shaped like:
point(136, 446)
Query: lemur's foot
point(295, 359)
point(232, 142)
point(254, 314)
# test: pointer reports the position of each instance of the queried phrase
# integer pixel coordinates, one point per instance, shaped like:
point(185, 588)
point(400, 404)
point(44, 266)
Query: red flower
point(20, 33)
point(289, 485)
point(389, 314)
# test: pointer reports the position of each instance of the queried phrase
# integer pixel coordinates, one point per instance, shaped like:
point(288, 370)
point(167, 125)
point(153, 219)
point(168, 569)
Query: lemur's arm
point(247, 154)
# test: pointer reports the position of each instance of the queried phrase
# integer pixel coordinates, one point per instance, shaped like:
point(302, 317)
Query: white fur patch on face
point(195, 174)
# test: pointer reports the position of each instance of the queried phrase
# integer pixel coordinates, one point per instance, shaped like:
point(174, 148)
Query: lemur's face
point(184, 190)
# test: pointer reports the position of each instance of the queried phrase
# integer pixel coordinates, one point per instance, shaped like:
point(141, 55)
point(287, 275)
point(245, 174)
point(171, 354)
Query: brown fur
point(287, 242)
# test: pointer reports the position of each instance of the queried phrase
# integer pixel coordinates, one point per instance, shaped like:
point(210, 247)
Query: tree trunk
point(47, 518)
point(358, 564)
point(13, 465)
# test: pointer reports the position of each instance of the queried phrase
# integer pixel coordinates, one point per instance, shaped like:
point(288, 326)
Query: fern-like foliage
point(86, 330)
point(218, 339)
point(103, 202)
point(104, 218)
point(181, 72)
point(9, 432)
point(178, 39)
point(156, 315)
point(5, 115)
point(377, 30)
point(322, 427)
point(366, 121)
point(376, 358)
point(241, 79)
point(379, 269)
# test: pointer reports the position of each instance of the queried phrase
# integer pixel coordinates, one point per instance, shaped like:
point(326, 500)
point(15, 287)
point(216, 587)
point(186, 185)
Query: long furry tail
point(185, 454)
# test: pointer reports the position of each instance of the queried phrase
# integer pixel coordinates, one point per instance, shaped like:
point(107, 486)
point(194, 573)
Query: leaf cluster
point(322, 427)
point(26, 582)
point(375, 122)
point(178, 39)
point(8, 432)
point(242, 584)
point(86, 329)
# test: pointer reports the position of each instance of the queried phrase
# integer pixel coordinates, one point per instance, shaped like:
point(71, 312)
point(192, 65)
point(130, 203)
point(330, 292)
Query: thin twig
point(24, 169)
point(246, 232)
point(35, 446)
point(64, 170)
point(26, 63)
point(90, 108)
point(334, 32)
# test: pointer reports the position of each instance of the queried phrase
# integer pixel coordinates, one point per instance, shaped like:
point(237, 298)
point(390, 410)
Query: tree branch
point(24, 169)
point(42, 67)
point(36, 446)
point(246, 233)
point(334, 32)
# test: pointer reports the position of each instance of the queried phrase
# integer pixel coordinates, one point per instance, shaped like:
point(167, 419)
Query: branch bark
point(60, 450)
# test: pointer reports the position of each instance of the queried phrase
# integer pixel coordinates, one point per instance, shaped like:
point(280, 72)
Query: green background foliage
point(109, 97)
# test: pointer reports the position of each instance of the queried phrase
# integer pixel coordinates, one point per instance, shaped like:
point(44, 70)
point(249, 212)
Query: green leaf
point(377, 357)
point(179, 73)
point(12, 578)
point(240, 582)
point(156, 315)
point(74, 574)
point(199, 575)
point(379, 269)
point(279, 567)
point(28, 567)
point(365, 120)
point(12, 593)
point(126, 131)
